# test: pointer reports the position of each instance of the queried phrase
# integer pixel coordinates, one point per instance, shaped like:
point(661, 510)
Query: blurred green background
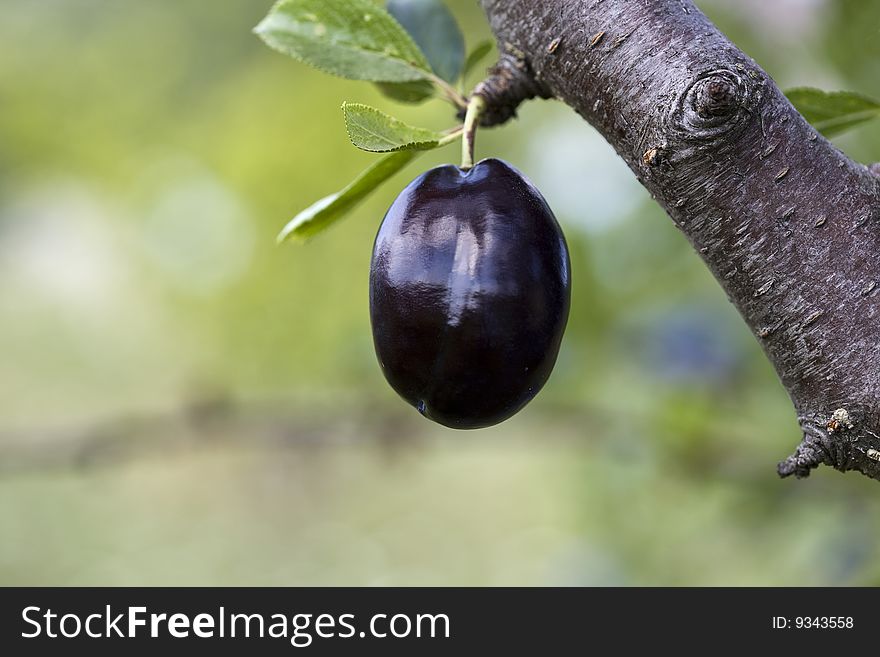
point(183, 402)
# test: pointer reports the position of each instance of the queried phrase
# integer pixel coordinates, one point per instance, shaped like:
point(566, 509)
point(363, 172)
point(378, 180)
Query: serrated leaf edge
point(425, 72)
point(426, 145)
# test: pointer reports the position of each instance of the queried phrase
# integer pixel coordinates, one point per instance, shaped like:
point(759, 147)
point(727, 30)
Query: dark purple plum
point(469, 293)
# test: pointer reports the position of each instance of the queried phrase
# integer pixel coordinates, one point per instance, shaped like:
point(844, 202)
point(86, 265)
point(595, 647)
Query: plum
point(469, 293)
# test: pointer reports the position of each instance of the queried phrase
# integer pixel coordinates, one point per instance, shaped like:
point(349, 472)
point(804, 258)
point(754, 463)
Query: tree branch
point(785, 221)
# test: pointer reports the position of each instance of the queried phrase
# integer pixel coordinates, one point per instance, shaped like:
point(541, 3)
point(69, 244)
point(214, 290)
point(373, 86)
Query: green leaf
point(330, 209)
point(408, 92)
point(374, 131)
point(476, 56)
point(833, 112)
point(353, 39)
point(433, 27)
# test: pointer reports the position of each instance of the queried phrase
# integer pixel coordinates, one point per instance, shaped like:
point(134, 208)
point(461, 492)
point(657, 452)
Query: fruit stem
point(451, 93)
point(475, 108)
point(451, 135)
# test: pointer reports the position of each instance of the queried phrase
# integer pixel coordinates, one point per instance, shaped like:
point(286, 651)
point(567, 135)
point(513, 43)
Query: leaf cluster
point(413, 50)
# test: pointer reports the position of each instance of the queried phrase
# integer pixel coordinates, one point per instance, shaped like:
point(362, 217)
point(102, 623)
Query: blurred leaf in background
point(833, 112)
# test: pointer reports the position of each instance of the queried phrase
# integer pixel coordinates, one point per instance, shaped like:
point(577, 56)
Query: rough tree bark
point(787, 223)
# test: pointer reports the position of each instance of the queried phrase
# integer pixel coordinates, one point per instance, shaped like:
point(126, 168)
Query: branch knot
point(510, 82)
point(717, 103)
point(714, 97)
